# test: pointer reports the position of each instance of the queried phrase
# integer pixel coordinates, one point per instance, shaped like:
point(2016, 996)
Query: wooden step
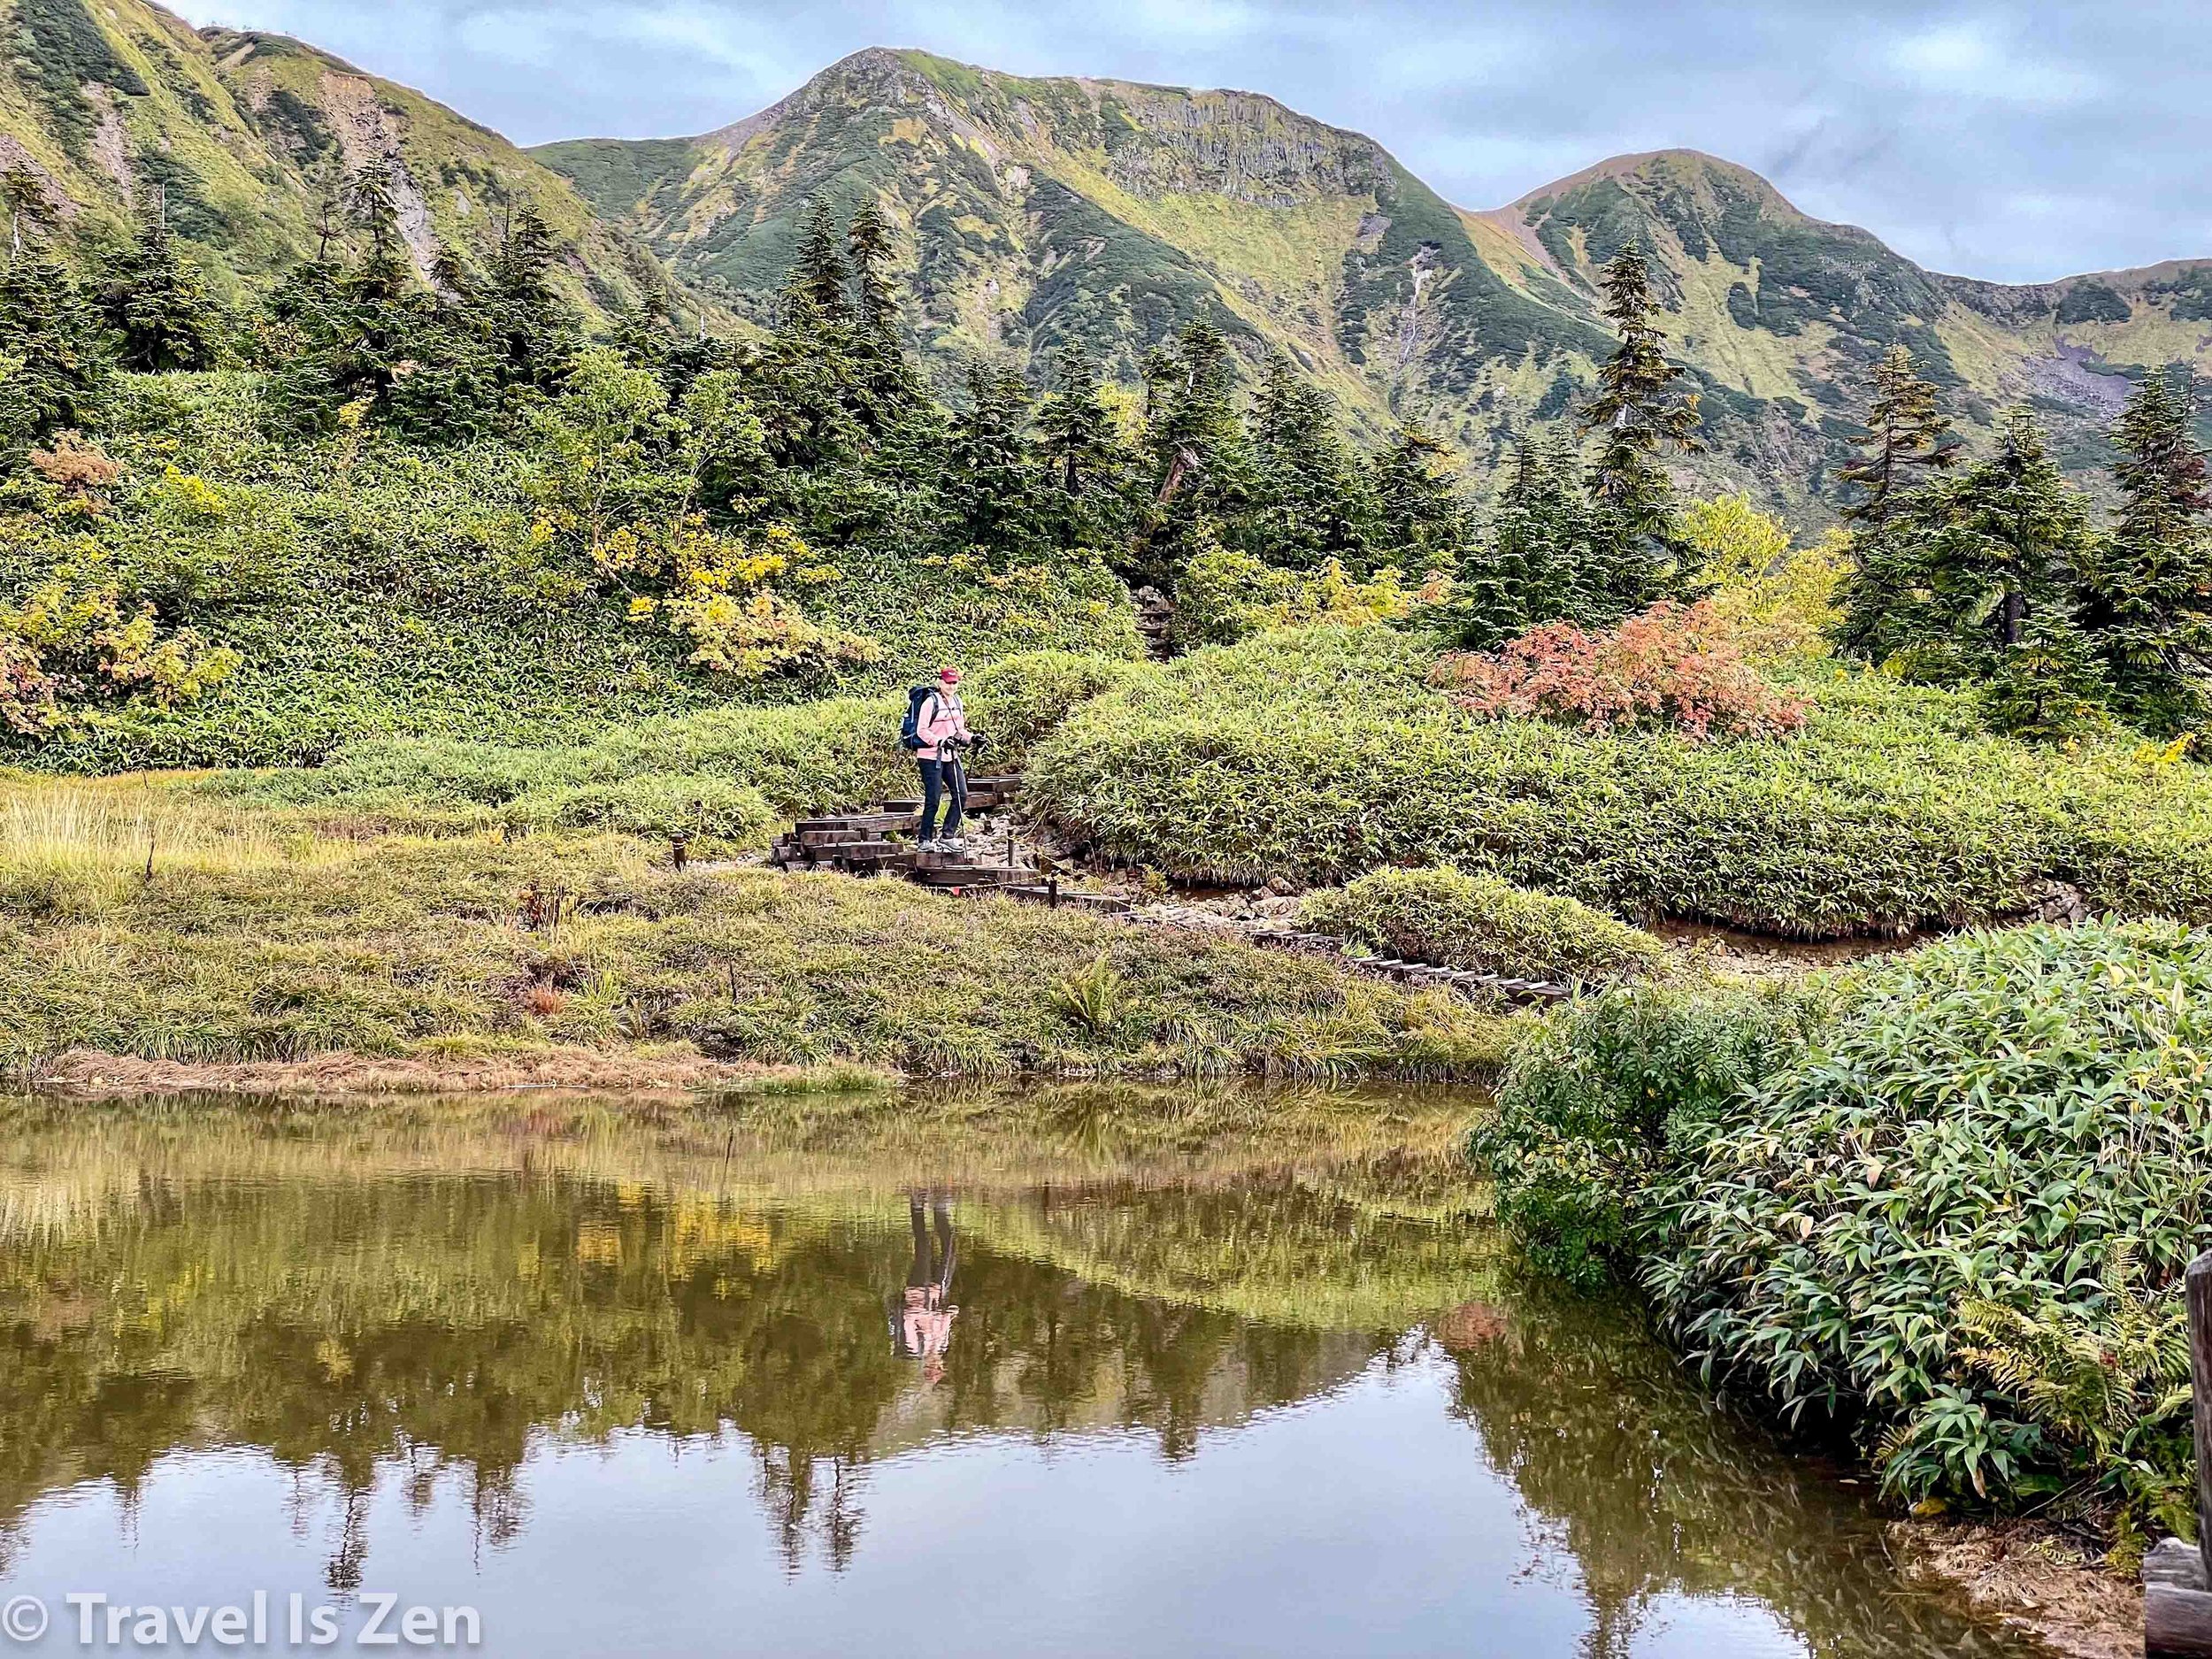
point(968, 876)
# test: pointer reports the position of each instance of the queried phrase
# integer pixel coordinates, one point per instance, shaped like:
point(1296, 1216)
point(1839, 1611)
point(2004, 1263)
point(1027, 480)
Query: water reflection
point(417, 1321)
point(922, 1316)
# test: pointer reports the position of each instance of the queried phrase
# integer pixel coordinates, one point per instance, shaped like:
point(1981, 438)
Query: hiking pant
point(943, 783)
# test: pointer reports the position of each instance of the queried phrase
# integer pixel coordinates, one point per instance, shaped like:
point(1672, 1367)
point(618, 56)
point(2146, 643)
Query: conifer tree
point(1639, 415)
point(160, 311)
point(887, 380)
point(2149, 604)
point(819, 274)
point(373, 207)
point(993, 491)
point(2005, 543)
point(1906, 434)
point(803, 385)
point(531, 331)
point(451, 277)
point(1310, 501)
point(869, 239)
point(58, 370)
point(1201, 461)
point(1087, 463)
point(2048, 681)
point(1419, 516)
point(1540, 559)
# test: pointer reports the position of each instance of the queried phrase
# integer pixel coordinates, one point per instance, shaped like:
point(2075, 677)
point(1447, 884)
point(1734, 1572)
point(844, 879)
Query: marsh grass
point(82, 846)
point(267, 937)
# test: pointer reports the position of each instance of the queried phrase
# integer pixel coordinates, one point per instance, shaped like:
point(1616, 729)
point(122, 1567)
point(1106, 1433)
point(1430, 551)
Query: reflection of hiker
point(936, 727)
point(921, 1319)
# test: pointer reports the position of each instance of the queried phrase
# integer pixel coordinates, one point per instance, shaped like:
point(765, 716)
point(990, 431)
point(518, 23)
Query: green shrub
point(736, 762)
point(841, 752)
point(2000, 1148)
point(1322, 754)
point(1598, 1100)
point(1020, 699)
point(375, 590)
point(1456, 920)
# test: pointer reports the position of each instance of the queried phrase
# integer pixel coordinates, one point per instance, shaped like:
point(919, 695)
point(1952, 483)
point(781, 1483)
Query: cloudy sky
point(2016, 142)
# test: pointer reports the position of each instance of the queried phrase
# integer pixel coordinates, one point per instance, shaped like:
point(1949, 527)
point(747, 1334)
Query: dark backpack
point(911, 733)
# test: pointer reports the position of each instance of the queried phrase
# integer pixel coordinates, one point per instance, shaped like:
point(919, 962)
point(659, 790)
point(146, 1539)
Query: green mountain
point(1034, 211)
point(245, 135)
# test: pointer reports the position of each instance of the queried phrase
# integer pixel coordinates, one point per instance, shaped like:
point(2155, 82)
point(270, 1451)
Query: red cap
point(950, 676)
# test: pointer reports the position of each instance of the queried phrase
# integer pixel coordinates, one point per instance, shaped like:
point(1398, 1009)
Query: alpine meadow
point(1735, 705)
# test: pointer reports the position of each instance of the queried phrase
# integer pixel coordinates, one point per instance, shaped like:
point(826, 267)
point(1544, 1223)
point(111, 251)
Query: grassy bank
point(1946, 1201)
point(266, 934)
point(1325, 753)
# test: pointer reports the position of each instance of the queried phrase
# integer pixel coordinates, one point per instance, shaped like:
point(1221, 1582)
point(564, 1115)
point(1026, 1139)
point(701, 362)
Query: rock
point(2059, 902)
point(1281, 886)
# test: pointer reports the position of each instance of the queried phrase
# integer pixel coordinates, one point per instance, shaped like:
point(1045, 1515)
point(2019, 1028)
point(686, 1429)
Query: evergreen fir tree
point(1639, 415)
point(868, 238)
point(887, 380)
point(59, 372)
point(452, 278)
point(2005, 542)
point(1310, 501)
point(803, 384)
point(1420, 517)
point(1540, 560)
point(1086, 461)
point(994, 492)
point(1906, 434)
point(819, 274)
point(160, 311)
point(2047, 683)
point(531, 331)
point(371, 206)
point(2149, 604)
point(1201, 461)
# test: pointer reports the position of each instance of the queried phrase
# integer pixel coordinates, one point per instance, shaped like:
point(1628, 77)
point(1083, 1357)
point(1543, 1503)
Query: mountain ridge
point(245, 132)
point(1311, 238)
point(1029, 213)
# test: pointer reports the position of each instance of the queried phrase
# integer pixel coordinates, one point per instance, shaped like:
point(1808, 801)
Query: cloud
point(1968, 60)
point(1986, 137)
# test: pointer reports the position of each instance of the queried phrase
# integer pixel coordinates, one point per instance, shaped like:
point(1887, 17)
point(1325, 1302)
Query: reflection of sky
point(2016, 141)
point(1362, 1522)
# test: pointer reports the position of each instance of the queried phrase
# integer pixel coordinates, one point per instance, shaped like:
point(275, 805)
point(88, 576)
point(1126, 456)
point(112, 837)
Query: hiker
point(939, 726)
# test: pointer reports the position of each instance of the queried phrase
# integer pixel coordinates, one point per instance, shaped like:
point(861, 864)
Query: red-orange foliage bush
point(1674, 665)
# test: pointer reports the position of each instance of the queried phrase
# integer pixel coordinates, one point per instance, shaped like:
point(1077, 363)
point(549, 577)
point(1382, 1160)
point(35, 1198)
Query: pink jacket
point(942, 716)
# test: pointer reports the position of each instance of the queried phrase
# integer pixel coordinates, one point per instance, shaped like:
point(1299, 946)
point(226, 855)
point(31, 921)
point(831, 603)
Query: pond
point(1053, 1371)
